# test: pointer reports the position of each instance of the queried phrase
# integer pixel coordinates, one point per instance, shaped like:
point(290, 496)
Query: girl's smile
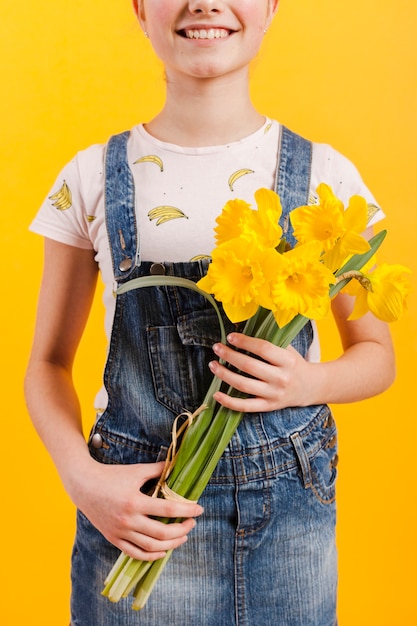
point(189, 36)
point(205, 33)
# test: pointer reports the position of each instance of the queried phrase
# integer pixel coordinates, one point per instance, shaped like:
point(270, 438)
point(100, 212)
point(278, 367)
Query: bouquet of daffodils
point(276, 290)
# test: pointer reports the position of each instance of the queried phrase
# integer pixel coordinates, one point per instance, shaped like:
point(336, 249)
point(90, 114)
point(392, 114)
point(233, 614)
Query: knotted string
point(178, 433)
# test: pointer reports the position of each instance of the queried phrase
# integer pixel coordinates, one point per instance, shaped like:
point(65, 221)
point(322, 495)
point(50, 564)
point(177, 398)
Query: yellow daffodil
point(239, 220)
point(233, 220)
point(384, 292)
point(338, 230)
point(301, 284)
point(239, 277)
point(277, 293)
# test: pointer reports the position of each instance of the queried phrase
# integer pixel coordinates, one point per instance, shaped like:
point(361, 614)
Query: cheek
point(158, 25)
point(254, 13)
point(159, 14)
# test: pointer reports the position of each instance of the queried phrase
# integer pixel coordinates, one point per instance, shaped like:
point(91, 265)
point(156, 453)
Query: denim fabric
point(264, 551)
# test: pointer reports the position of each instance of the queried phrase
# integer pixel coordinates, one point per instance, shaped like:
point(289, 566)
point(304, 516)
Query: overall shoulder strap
point(293, 176)
point(119, 197)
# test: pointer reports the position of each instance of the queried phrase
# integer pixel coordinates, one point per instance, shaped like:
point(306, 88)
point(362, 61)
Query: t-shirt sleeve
point(333, 168)
point(73, 200)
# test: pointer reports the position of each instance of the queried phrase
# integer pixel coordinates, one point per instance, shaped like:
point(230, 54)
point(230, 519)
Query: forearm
point(280, 378)
point(55, 412)
point(364, 370)
point(109, 495)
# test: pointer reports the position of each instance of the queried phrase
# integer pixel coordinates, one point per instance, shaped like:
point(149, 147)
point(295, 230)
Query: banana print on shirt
point(151, 158)
point(238, 174)
point(165, 213)
point(62, 199)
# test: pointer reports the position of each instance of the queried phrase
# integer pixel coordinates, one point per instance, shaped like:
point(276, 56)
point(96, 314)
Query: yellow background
point(72, 73)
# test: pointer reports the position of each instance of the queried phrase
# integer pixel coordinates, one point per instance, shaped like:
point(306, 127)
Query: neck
point(203, 112)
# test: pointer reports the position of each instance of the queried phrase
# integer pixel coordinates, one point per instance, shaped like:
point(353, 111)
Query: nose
point(205, 6)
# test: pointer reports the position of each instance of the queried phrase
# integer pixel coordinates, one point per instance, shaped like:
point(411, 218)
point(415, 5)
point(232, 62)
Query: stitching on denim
point(303, 459)
point(319, 497)
point(240, 475)
point(239, 580)
point(111, 363)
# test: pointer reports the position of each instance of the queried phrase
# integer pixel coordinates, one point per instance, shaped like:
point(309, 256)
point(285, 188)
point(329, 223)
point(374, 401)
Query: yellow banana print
point(165, 213)
point(91, 218)
point(151, 158)
point(200, 257)
point(372, 209)
point(233, 178)
point(62, 199)
point(267, 128)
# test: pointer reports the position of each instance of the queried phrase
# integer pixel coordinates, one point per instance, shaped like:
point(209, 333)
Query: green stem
point(144, 589)
point(115, 571)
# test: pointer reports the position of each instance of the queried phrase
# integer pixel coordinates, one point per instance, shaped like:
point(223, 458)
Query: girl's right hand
point(111, 498)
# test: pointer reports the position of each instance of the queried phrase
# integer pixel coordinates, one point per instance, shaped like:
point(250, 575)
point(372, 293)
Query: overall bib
point(263, 553)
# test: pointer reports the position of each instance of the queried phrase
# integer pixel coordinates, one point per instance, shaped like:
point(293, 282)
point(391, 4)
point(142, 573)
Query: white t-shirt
point(179, 193)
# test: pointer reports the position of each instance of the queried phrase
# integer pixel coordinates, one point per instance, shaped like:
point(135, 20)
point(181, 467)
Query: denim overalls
point(263, 553)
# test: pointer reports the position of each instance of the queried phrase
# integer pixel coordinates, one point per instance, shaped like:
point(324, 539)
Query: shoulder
point(330, 166)
point(333, 168)
point(74, 200)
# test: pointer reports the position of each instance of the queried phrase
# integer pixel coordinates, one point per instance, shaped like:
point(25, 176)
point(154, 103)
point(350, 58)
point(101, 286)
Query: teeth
point(212, 33)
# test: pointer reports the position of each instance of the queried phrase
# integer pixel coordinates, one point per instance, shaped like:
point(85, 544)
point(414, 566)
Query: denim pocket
point(179, 357)
point(318, 463)
point(324, 472)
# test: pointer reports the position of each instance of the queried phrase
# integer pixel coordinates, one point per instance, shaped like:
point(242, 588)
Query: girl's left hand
point(273, 378)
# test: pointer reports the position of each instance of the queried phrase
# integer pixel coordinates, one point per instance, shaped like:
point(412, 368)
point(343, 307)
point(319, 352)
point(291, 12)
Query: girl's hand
point(111, 498)
point(274, 377)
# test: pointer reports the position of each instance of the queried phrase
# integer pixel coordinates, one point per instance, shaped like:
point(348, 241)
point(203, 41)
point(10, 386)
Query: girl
point(263, 552)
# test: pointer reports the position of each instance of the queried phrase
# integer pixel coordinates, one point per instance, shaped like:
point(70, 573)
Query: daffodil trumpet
point(249, 260)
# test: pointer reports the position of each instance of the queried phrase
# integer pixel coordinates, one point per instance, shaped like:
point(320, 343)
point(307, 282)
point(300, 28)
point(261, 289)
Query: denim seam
point(110, 365)
point(320, 497)
point(240, 596)
point(268, 472)
point(247, 531)
point(303, 459)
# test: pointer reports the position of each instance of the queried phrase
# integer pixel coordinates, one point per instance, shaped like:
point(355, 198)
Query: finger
point(174, 509)
point(141, 554)
point(244, 405)
point(242, 362)
point(162, 533)
point(155, 545)
point(260, 347)
point(265, 354)
point(250, 386)
point(151, 470)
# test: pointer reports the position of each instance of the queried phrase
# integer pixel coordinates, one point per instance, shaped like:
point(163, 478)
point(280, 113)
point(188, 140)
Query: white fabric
point(191, 184)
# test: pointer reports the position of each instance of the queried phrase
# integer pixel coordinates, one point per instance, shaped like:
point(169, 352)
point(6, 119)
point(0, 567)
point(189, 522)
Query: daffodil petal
point(356, 214)
point(360, 307)
point(353, 243)
point(206, 284)
point(268, 200)
point(387, 309)
point(233, 220)
point(284, 316)
point(240, 313)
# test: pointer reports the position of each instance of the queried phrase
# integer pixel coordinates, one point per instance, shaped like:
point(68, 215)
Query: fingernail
point(231, 337)
point(216, 348)
point(213, 366)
